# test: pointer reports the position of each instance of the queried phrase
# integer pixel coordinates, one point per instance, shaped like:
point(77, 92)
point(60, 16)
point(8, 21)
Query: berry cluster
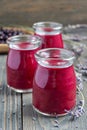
point(5, 33)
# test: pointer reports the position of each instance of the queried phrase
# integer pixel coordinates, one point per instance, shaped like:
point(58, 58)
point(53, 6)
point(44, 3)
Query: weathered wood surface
point(10, 103)
point(26, 12)
point(16, 111)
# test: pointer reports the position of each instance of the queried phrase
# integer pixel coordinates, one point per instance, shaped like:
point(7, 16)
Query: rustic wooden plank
point(2, 62)
point(27, 112)
point(10, 104)
point(64, 11)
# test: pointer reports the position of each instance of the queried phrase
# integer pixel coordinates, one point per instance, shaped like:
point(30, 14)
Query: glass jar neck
point(47, 28)
point(55, 58)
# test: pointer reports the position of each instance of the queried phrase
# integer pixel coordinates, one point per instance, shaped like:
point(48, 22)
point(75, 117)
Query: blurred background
point(26, 12)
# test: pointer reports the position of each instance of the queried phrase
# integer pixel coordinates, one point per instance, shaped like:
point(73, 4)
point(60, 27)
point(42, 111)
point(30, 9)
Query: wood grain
point(29, 11)
point(10, 102)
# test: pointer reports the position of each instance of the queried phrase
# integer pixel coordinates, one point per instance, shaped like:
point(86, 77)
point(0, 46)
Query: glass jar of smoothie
point(21, 63)
point(54, 85)
point(51, 32)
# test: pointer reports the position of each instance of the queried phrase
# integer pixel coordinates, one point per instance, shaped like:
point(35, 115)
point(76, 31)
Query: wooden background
point(26, 12)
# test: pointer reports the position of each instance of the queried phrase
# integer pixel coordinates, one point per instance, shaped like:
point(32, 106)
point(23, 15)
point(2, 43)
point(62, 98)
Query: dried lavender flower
point(82, 66)
point(56, 123)
point(34, 119)
point(75, 36)
point(79, 81)
point(78, 110)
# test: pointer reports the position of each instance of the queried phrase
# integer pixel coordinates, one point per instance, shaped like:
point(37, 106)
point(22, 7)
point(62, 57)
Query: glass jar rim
point(58, 57)
point(66, 54)
point(24, 42)
point(47, 24)
point(33, 39)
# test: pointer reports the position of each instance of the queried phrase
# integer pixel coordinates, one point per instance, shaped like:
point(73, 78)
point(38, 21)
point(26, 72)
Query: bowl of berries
point(8, 31)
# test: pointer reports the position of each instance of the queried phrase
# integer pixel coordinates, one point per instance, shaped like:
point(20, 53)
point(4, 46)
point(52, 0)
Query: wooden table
point(16, 112)
point(26, 12)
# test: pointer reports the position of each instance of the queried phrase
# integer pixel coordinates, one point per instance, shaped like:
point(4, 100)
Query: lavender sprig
point(78, 110)
point(75, 36)
point(79, 81)
point(75, 113)
point(82, 67)
point(56, 124)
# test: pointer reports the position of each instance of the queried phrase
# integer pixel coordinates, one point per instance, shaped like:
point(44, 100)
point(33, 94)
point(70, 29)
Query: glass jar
point(21, 63)
point(51, 32)
point(54, 85)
